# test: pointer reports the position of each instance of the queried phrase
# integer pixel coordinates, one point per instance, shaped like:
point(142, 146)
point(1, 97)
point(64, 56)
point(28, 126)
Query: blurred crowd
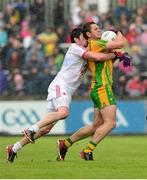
point(31, 53)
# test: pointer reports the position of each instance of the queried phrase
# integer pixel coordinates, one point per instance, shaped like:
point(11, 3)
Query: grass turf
point(117, 157)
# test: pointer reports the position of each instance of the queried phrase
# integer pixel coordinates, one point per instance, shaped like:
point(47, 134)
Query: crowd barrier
point(18, 115)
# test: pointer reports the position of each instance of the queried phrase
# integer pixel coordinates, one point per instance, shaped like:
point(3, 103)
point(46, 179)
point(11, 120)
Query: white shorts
point(58, 96)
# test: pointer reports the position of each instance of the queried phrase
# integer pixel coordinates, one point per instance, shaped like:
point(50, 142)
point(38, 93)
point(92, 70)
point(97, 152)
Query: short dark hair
point(75, 33)
point(87, 28)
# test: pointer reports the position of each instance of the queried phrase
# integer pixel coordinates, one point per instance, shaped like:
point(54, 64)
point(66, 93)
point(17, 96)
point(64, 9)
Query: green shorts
point(102, 96)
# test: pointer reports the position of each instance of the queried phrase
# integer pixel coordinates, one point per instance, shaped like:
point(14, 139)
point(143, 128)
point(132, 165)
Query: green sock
point(90, 147)
point(68, 142)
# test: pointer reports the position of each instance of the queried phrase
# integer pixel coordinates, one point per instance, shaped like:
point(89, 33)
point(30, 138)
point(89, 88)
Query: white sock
point(34, 128)
point(16, 147)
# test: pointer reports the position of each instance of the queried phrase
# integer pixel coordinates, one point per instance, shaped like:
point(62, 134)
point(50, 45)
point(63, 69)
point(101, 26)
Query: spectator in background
point(7, 50)
point(123, 25)
point(78, 12)
point(14, 56)
point(132, 34)
point(26, 34)
point(121, 91)
point(3, 36)
point(48, 39)
point(58, 13)
point(122, 9)
point(89, 16)
point(136, 56)
point(20, 8)
point(61, 34)
point(27, 21)
point(18, 83)
point(12, 27)
point(15, 61)
point(11, 19)
point(34, 62)
point(45, 80)
point(37, 11)
point(3, 82)
point(35, 48)
point(135, 87)
point(141, 12)
point(103, 19)
point(8, 13)
point(139, 24)
point(33, 84)
point(107, 26)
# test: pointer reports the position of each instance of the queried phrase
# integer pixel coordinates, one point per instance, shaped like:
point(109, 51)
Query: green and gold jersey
point(101, 72)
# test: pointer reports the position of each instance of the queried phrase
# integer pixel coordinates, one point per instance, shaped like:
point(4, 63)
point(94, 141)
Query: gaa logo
point(11, 117)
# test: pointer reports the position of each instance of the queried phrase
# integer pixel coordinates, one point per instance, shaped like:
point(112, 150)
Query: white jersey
point(73, 65)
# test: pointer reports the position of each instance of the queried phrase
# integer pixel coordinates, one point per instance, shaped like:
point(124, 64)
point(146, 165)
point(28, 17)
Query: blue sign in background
point(131, 116)
point(15, 116)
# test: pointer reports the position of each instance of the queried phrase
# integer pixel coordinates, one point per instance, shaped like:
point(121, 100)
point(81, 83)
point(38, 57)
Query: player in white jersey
point(68, 79)
point(61, 90)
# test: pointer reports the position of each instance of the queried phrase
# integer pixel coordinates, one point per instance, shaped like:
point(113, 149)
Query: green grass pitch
point(117, 157)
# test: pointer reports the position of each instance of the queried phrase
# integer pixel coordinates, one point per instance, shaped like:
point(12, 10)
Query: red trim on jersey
point(83, 56)
point(58, 92)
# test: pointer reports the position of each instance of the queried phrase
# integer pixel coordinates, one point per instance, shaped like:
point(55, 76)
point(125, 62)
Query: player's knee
point(111, 124)
point(63, 114)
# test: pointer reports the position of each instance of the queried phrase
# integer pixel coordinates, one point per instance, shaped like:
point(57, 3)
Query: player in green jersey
point(101, 94)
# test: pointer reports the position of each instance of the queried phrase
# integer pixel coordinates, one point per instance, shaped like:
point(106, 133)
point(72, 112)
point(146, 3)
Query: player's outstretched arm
point(119, 42)
point(94, 56)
